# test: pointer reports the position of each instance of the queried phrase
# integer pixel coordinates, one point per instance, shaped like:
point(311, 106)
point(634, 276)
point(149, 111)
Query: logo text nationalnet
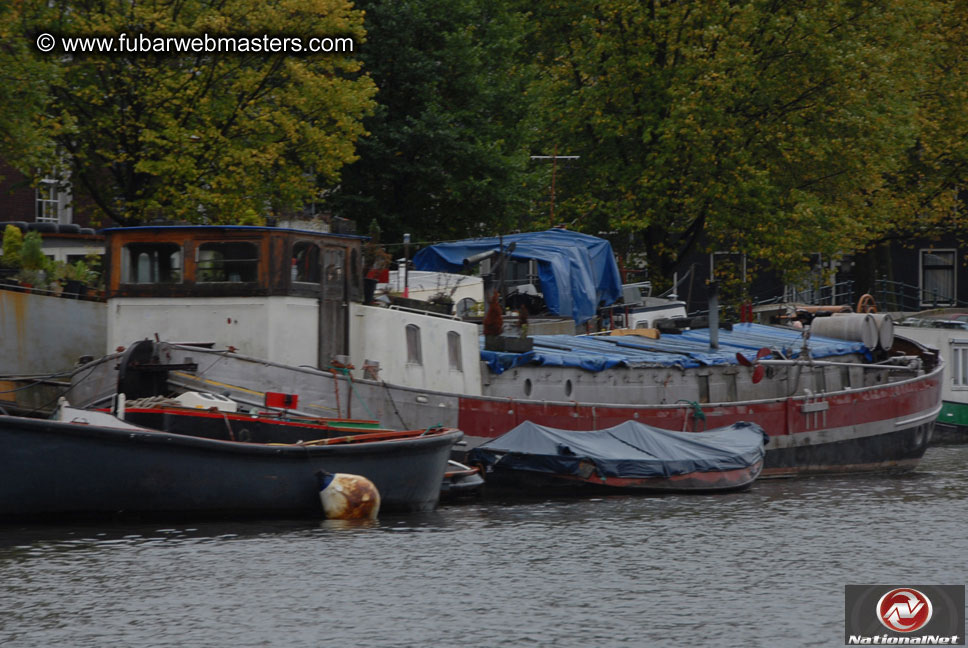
point(889, 640)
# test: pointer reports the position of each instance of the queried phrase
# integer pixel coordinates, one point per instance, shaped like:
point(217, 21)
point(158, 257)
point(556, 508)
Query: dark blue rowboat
point(91, 463)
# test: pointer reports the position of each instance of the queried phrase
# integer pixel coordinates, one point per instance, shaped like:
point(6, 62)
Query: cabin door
point(333, 308)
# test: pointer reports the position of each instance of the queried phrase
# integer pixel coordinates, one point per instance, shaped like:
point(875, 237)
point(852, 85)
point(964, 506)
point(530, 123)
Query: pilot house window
point(414, 353)
point(959, 364)
point(305, 262)
point(453, 351)
point(234, 262)
point(150, 263)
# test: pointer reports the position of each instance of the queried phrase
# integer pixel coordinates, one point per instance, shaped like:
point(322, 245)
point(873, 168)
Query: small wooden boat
point(630, 456)
point(91, 463)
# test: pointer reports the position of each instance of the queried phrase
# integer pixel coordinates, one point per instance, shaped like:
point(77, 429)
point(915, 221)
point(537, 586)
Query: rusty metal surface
point(42, 335)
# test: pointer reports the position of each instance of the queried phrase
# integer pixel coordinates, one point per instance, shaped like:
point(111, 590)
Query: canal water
point(766, 567)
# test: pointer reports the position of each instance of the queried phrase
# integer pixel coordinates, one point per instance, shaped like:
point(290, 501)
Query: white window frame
point(954, 275)
point(52, 198)
point(48, 201)
point(958, 369)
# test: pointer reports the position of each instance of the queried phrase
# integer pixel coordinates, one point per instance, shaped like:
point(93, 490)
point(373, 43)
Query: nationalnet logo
point(904, 610)
point(925, 615)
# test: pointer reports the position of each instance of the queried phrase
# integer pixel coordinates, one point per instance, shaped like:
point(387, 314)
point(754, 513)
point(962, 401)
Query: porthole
point(567, 388)
point(527, 386)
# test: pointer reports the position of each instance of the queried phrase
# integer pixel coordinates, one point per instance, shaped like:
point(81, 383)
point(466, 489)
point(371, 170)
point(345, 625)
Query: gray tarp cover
point(628, 450)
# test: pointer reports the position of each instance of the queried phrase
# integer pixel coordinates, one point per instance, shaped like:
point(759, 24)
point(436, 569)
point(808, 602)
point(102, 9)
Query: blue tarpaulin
point(628, 450)
point(577, 272)
point(687, 349)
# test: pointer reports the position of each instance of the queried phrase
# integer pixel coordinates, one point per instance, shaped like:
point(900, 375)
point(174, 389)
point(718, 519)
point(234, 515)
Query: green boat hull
point(952, 424)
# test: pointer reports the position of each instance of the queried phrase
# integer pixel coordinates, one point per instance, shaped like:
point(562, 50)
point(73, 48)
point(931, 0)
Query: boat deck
point(687, 349)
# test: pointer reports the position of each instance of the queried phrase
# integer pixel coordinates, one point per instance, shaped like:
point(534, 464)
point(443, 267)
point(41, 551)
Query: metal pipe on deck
point(713, 315)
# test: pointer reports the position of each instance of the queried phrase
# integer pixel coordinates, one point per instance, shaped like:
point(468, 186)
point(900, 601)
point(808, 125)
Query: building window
point(48, 202)
point(414, 352)
point(453, 351)
point(233, 262)
point(151, 263)
point(959, 364)
point(53, 197)
point(937, 277)
point(305, 262)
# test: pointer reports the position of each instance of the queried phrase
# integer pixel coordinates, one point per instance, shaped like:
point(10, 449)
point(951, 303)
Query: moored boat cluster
point(292, 377)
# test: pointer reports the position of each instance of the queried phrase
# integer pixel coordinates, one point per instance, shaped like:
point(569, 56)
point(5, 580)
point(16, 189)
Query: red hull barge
point(876, 428)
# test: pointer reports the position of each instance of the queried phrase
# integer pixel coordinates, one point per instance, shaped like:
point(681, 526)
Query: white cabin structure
point(288, 296)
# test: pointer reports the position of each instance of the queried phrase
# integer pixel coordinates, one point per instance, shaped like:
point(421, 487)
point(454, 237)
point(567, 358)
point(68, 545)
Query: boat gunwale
point(22, 425)
point(323, 423)
point(938, 369)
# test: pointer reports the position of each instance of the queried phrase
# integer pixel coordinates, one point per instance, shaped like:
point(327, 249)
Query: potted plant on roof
point(33, 263)
point(10, 257)
point(493, 325)
point(78, 277)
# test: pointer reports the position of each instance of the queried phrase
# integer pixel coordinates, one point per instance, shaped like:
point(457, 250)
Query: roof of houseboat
point(234, 228)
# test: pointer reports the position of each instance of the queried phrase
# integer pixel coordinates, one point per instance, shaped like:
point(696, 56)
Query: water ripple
point(763, 567)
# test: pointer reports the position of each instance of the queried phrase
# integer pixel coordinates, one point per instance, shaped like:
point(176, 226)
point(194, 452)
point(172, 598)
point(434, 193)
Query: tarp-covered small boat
point(90, 463)
point(630, 455)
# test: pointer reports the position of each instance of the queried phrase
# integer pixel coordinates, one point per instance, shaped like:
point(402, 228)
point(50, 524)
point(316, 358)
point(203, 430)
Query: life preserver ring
point(866, 304)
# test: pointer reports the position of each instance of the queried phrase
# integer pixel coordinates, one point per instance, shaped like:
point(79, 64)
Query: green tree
point(446, 155)
point(204, 136)
point(32, 254)
point(925, 193)
point(761, 127)
point(23, 95)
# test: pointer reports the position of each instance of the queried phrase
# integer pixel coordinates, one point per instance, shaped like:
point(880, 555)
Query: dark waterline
point(766, 567)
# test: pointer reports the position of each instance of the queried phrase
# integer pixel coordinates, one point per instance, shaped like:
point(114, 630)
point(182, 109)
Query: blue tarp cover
point(628, 450)
point(576, 272)
point(687, 349)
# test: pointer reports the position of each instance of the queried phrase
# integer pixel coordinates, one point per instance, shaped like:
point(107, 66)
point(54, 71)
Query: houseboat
point(947, 331)
point(246, 310)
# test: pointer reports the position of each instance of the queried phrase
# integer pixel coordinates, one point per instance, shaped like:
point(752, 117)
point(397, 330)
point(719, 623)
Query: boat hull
point(952, 424)
point(52, 468)
point(530, 482)
point(881, 427)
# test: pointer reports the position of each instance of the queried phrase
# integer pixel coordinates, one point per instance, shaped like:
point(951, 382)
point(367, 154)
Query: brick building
point(48, 207)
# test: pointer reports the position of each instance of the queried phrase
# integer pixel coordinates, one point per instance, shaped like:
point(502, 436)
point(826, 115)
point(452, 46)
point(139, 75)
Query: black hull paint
point(946, 433)
point(901, 450)
point(48, 468)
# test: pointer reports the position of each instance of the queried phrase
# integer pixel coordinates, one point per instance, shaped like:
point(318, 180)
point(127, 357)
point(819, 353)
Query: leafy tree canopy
point(446, 152)
point(760, 127)
point(203, 137)
point(922, 196)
